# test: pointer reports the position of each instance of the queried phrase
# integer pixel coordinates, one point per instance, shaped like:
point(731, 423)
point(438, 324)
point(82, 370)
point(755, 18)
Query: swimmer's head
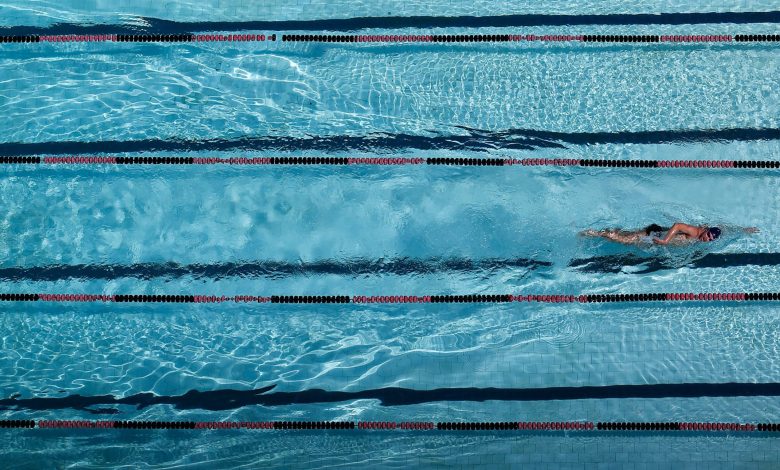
point(712, 233)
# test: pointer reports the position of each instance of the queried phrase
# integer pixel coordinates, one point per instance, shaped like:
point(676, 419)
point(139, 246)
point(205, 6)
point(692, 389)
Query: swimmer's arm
point(751, 230)
point(676, 229)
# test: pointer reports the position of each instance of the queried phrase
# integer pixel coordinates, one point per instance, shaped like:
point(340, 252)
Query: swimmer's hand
point(751, 230)
point(659, 241)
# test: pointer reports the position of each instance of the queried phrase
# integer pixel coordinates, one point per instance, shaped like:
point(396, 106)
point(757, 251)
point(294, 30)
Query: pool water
point(382, 230)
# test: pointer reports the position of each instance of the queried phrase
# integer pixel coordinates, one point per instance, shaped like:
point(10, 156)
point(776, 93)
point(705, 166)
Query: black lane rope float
point(433, 161)
point(390, 38)
point(397, 299)
point(472, 38)
point(547, 426)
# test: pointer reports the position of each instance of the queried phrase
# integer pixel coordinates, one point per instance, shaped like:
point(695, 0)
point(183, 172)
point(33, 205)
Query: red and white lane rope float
point(389, 161)
point(390, 38)
point(397, 299)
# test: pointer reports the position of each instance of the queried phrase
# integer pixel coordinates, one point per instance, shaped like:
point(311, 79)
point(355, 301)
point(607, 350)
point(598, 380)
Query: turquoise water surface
point(329, 230)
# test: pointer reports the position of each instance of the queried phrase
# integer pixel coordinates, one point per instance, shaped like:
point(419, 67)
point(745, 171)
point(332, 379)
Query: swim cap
point(715, 232)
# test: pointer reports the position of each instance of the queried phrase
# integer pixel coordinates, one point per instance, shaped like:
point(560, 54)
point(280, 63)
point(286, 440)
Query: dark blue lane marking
point(161, 26)
point(354, 267)
point(651, 264)
point(220, 400)
point(474, 140)
point(268, 269)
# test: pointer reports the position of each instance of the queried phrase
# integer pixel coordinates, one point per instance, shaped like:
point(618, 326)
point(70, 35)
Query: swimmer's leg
point(590, 233)
point(619, 236)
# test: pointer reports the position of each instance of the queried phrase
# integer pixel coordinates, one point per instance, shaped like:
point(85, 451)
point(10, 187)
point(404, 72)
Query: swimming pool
point(213, 228)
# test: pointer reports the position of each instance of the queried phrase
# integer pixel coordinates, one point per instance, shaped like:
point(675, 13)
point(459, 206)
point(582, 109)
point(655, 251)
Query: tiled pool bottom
point(91, 350)
point(152, 167)
point(385, 449)
point(553, 345)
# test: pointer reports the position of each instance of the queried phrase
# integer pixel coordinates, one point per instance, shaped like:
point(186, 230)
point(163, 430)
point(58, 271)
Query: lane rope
point(547, 426)
point(397, 299)
point(380, 161)
point(390, 38)
point(164, 38)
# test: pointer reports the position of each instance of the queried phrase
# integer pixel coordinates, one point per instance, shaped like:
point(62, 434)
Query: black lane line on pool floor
point(471, 140)
point(151, 25)
point(230, 399)
point(651, 264)
point(354, 267)
point(351, 267)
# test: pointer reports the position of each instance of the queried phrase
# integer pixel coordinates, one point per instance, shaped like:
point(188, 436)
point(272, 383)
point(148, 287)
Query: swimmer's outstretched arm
point(751, 230)
point(677, 228)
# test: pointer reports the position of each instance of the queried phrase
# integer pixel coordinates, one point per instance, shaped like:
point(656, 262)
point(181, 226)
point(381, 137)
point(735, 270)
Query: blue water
point(378, 230)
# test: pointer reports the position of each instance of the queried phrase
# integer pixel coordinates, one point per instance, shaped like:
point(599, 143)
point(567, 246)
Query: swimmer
point(677, 234)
